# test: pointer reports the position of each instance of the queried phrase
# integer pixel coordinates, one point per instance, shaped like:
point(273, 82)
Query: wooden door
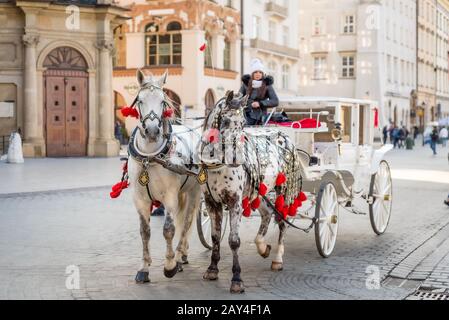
point(76, 110)
point(66, 116)
point(56, 116)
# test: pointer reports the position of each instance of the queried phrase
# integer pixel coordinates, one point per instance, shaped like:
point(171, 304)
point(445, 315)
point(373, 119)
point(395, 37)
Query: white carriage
point(340, 163)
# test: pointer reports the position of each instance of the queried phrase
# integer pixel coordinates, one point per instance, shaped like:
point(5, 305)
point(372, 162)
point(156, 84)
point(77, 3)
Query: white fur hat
point(257, 65)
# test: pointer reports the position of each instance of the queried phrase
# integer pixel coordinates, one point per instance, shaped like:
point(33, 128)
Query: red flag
point(203, 47)
point(376, 118)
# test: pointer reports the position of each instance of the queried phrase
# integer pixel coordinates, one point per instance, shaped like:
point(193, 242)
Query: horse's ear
point(140, 77)
point(229, 96)
point(163, 79)
point(244, 101)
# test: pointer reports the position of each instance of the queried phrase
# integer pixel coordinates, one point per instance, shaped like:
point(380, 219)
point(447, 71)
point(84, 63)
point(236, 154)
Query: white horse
point(155, 140)
point(235, 165)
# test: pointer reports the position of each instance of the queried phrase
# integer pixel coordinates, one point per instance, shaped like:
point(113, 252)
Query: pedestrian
point(391, 131)
point(395, 135)
point(385, 134)
point(434, 136)
point(401, 137)
point(118, 131)
point(444, 135)
point(415, 132)
point(261, 94)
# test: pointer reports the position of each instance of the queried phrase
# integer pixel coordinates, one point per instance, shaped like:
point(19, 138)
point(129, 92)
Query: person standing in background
point(434, 136)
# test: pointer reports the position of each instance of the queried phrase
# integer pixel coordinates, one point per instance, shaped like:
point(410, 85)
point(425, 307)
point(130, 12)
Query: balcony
point(276, 48)
point(276, 10)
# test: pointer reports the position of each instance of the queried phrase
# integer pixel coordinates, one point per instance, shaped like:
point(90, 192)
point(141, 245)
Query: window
point(163, 48)
point(286, 36)
point(318, 26)
point(285, 77)
point(349, 25)
point(256, 27)
point(272, 70)
point(272, 31)
point(208, 52)
point(319, 67)
point(227, 55)
point(348, 66)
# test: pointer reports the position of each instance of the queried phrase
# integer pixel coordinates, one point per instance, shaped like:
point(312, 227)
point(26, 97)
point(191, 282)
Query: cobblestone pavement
point(42, 233)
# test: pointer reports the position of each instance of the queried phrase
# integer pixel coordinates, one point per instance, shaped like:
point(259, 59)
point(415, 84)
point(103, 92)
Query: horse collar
point(138, 156)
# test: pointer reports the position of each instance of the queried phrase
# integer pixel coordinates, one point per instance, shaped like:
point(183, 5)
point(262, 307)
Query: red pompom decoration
point(213, 135)
point(255, 204)
point(156, 204)
point(263, 189)
point(292, 210)
point(247, 212)
point(130, 112)
point(297, 203)
point(203, 47)
point(117, 187)
point(302, 197)
point(285, 212)
point(115, 194)
point(281, 179)
point(168, 113)
point(245, 203)
point(280, 201)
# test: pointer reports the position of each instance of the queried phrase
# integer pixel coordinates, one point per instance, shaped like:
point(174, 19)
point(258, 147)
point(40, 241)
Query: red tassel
point(285, 212)
point(203, 47)
point(280, 201)
point(255, 204)
point(281, 179)
point(263, 189)
point(245, 203)
point(125, 185)
point(130, 112)
point(134, 113)
point(115, 194)
point(292, 210)
point(117, 187)
point(168, 113)
point(213, 135)
point(302, 197)
point(156, 204)
point(247, 212)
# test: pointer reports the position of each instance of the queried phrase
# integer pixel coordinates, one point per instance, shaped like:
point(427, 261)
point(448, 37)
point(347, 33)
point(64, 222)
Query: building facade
point(170, 35)
point(56, 76)
point(363, 49)
point(270, 30)
point(442, 60)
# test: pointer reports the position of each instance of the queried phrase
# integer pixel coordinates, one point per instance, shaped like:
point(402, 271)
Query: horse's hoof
point(237, 287)
point(277, 266)
point(267, 252)
point(211, 275)
point(184, 260)
point(171, 273)
point(142, 277)
point(180, 268)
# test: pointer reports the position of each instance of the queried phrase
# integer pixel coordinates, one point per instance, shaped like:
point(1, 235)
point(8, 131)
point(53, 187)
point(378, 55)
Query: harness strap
point(149, 193)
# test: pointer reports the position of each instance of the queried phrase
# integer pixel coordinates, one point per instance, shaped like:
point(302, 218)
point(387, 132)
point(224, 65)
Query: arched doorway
point(209, 101)
point(66, 103)
point(176, 101)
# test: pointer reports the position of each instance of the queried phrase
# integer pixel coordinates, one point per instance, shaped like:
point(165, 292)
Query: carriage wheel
point(326, 214)
point(381, 193)
point(204, 226)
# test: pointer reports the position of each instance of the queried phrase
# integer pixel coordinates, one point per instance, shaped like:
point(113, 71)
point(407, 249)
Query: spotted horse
point(241, 168)
point(159, 170)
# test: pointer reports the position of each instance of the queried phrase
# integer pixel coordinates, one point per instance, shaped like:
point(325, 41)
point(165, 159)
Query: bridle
point(162, 122)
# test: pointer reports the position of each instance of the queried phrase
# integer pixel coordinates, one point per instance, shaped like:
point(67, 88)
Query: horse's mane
point(211, 116)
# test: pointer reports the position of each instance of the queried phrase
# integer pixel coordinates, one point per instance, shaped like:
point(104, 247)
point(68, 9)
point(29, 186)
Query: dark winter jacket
point(268, 99)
